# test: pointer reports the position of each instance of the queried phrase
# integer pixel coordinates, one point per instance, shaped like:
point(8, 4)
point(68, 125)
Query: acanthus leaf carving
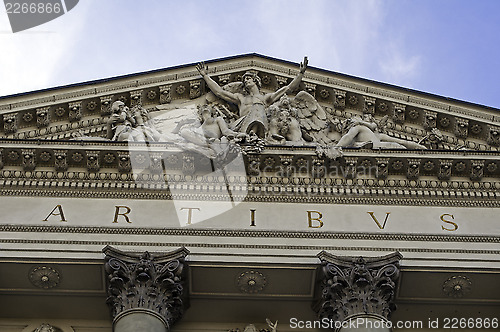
point(359, 285)
point(146, 281)
point(165, 94)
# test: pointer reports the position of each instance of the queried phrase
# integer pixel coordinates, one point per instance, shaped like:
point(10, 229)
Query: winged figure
point(300, 120)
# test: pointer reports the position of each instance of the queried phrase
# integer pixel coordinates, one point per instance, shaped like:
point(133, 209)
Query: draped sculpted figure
point(252, 103)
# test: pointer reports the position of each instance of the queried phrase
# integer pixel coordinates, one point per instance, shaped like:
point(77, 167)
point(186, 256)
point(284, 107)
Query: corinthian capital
point(146, 283)
point(358, 285)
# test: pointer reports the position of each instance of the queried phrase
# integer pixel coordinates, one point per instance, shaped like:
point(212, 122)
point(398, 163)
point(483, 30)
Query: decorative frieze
point(340, 97)
point(136, 98)
point(357, 286)
point(1, 158)
point(146, 282)
point(29, 160)
point(188, 166)
point(224, 79)
point(165, 94)
point(10, 123)
point(253, 165)
point(156, 164)
point(318, 169)
point(369, 106)
point(430, 120)
point(42, 117)
point(124, 163)
point(350, 167)
point(194, 89)
point(282, 81)
point(413, 170)
point(382, 168)
point(93, 161)
point(477, 170)
point(445, 168)
point(60, 160)
point(75, 111)
point(106, 105)
point(399, 113)
point(461, 127)
point(493, 135)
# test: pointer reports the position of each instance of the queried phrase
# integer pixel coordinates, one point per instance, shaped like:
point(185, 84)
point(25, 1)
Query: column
point(357, 293)
point(145, 292)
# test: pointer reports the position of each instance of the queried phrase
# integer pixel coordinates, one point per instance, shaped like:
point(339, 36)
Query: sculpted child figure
point(252, 103)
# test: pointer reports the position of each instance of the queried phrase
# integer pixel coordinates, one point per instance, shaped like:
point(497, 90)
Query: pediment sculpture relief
point(238, 116)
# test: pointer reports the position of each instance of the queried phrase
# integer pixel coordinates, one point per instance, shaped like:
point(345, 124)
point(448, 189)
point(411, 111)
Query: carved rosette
point(42, 117)
point(165, 95)
point(253, 165)
point(106, 105)
point(352, 286)
point(146, 282)
point(60, 160)
point(399, 113)
point(75, 111)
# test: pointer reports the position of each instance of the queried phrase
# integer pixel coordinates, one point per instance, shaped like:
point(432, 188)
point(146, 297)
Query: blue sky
point(446, 47)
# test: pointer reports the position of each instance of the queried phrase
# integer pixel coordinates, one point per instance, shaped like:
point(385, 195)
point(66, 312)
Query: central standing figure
point(252, 104)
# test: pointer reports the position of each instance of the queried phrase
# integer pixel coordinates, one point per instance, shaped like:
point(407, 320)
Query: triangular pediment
point(424, 135)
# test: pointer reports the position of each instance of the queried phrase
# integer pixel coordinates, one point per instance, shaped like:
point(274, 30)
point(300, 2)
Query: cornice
point(250, 233)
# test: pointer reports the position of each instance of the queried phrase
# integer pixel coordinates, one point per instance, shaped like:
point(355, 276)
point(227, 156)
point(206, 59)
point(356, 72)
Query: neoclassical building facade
point(247, 194)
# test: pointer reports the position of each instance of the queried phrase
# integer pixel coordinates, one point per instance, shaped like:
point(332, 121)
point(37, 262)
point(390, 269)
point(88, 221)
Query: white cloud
point(30, 58)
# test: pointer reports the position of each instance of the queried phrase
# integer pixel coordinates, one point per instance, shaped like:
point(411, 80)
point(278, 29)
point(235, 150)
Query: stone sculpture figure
point(252, 103)
point(365, 131)
point(120, 126)
point(298, 120)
